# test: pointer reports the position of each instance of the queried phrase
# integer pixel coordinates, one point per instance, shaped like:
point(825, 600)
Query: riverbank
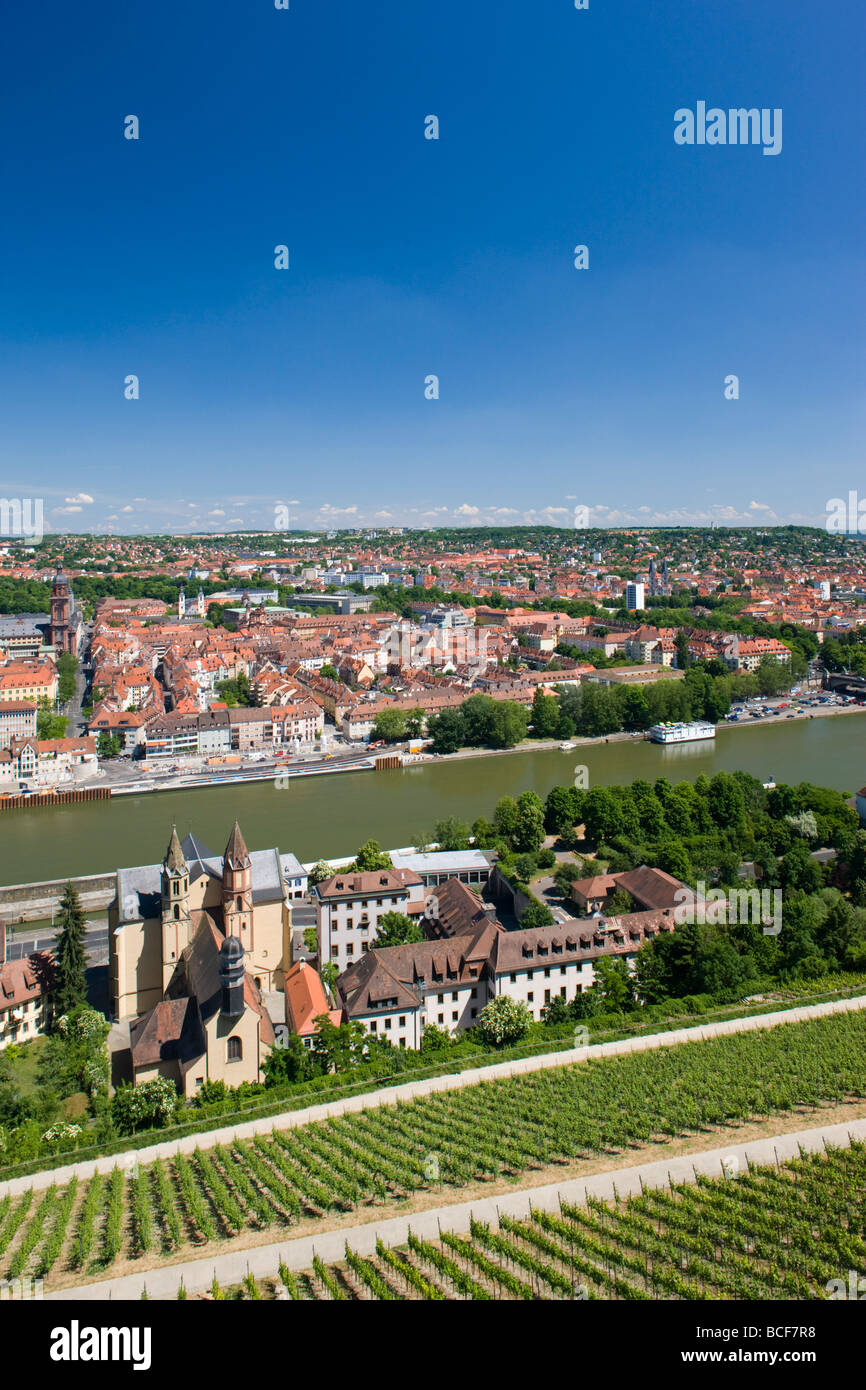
point(365, 763)
point(325, 817)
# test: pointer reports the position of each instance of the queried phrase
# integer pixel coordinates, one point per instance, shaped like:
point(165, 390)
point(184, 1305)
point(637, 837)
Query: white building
point(294, 874)
point(349, 905)
point(634, 595)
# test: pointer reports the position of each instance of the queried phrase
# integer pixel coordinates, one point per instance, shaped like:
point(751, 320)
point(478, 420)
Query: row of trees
point(480, 722)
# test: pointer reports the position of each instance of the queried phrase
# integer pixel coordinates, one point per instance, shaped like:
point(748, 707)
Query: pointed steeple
point(236, 854)
point(174, 861)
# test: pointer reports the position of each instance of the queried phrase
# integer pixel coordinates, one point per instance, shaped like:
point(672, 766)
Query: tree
point(614, 985)
point(70, 979)
point(414, 722)
point(395, 929)
point(544, 717)
point(602, 816)
point(330, 973)
point(451, 833)
point(446, 731)
point(67, 667)
point(370, 857)
point(338, 1047)
point(635, 710)
point(434, 1039)
point(558, 816)
point(329, 672)
point(49, 724)
point(529, 830)
point(236, 691)
point(289, 1064)
point(681, 642)
point(525, 866)
point(565, 876)
point(390, 725)
point(557, 1011)
point(537, 914)
point(672, 858)
point(108, 745)
point(620, 903)
point(505, 817)
point(320, 872)
point(504, 1020)
point(508, 723)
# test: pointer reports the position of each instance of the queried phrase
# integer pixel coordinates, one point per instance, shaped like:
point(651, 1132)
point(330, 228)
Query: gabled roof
point(652, 888)
point(455, 910)
point(21, 980)
point(170, 1031)
point(306, 999)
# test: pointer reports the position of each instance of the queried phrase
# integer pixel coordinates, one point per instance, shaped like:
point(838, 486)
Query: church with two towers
point(197, 945)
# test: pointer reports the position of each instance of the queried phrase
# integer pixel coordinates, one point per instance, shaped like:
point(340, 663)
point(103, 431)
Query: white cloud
point(61, 511)
point(217, 511)
point(465, 510)
point(80, 497)
point(127, 509)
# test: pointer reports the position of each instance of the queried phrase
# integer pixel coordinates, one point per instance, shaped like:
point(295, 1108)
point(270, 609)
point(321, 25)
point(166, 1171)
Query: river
point(328, 816)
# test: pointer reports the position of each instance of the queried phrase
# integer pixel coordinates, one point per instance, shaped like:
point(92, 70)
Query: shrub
point(503, 1021)
point(153, 1103)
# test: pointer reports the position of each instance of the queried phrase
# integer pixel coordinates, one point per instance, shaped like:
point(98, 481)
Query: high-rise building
point(634, 596)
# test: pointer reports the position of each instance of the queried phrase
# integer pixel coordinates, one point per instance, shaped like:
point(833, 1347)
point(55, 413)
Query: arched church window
point(234, 1050)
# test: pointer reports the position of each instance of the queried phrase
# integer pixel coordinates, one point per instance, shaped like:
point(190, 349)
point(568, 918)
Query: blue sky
point(412, 257)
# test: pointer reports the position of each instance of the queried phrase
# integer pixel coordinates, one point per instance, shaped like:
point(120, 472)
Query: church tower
point(181, 604)
point(238, 890)
point(201, 606)
point(61, 612)
point(176, 923)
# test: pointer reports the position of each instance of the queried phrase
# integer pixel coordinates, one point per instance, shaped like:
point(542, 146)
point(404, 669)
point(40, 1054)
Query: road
point(23, 944)
point(72, 709)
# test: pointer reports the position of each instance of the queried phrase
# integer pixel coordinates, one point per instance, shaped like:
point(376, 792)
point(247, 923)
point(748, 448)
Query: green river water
point(322, 816)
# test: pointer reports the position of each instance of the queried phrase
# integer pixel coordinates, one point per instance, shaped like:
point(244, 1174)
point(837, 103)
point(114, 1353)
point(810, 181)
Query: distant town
point(130, 663)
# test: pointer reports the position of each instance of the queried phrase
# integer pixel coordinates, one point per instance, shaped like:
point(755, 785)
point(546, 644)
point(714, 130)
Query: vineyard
point(486, 1132)
point(771, 1233)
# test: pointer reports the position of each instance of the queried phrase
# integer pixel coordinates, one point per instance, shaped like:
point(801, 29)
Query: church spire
point(174, 860)
point(236, 854)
